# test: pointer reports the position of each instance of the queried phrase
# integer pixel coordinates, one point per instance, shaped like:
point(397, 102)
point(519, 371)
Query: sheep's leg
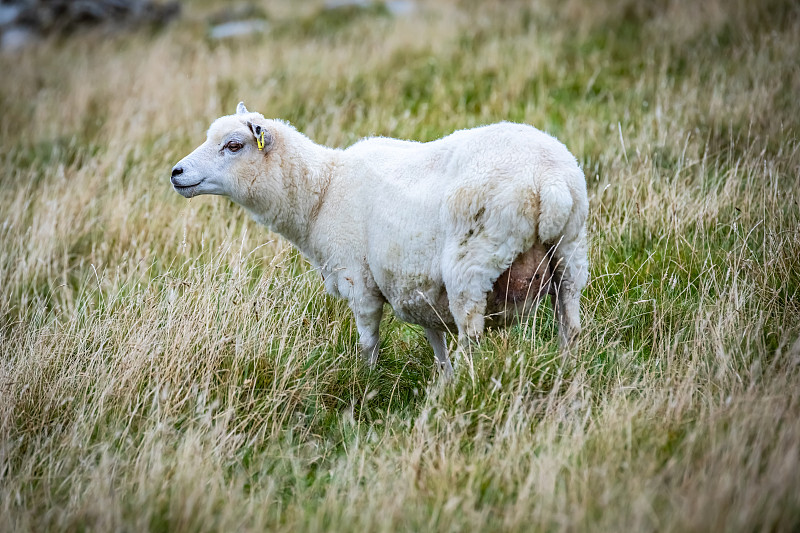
point(570, 276)
point(464, 349)
point(438, 343)
point(468, 281)
point(368, 315)
point(468, 312)
point(567, 314)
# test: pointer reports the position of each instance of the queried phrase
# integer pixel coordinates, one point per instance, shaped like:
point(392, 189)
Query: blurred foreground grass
point(172, 366)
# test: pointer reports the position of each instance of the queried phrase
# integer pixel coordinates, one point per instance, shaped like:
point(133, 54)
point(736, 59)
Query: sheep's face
point(229, 159)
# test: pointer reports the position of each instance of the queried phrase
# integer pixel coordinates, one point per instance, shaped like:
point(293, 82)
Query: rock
point(401, 7)
point(394, 7)
point(338, 4)
point(25, 21)
point(238, 28)
point(16, 37)
point(9, 14)
point(25, 18)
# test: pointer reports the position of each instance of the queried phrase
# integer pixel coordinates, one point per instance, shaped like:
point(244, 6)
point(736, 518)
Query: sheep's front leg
point(468, 312)
point(368, 312)
point(438, 342)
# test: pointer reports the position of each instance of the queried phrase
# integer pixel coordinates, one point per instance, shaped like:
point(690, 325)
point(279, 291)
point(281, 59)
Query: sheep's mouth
point(186, 190)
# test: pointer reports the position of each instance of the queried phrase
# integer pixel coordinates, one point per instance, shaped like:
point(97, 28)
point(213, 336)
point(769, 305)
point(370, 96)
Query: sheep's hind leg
point(570, 277)
point(368, 322)
point(438, 343)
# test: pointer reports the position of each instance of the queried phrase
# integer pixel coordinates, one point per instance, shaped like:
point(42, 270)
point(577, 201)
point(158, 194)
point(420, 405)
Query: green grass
point(171, 366)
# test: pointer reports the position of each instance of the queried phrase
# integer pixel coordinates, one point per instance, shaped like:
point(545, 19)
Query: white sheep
point(482, 222)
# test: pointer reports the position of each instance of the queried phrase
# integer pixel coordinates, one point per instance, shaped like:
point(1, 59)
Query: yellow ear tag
point(260, 141)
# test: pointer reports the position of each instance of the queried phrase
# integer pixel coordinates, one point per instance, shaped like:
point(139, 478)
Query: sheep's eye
point(233, 146)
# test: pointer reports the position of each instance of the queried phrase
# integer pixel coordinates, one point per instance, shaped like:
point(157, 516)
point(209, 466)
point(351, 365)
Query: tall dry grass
point(170, 365)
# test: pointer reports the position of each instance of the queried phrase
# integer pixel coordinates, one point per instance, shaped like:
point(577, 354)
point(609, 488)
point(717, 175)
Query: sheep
point(456, 234)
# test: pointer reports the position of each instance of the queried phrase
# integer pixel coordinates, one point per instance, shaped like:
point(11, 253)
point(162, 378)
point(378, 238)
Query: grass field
point(171, 366)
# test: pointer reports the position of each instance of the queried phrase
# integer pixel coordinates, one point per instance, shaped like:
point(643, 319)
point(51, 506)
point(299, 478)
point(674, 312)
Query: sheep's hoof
point(446, 372)
point(370, 356)
point(568, 341)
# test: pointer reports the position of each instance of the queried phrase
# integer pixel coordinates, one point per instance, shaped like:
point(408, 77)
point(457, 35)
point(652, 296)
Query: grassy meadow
point(169, 365)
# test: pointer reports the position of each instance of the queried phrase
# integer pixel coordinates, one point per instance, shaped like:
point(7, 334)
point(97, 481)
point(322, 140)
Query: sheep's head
point(229, 160)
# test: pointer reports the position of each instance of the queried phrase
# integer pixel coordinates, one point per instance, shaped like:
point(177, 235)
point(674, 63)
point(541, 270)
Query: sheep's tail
point(555, 206)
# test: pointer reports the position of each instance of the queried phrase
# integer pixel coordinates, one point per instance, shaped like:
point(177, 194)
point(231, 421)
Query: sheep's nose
point(176, 171)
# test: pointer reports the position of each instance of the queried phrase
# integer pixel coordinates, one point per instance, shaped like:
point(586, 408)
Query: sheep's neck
point(306, 173)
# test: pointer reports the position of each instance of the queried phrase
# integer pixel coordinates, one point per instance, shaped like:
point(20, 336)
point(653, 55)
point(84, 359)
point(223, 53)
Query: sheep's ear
point(241, 109)
point(263, 137)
